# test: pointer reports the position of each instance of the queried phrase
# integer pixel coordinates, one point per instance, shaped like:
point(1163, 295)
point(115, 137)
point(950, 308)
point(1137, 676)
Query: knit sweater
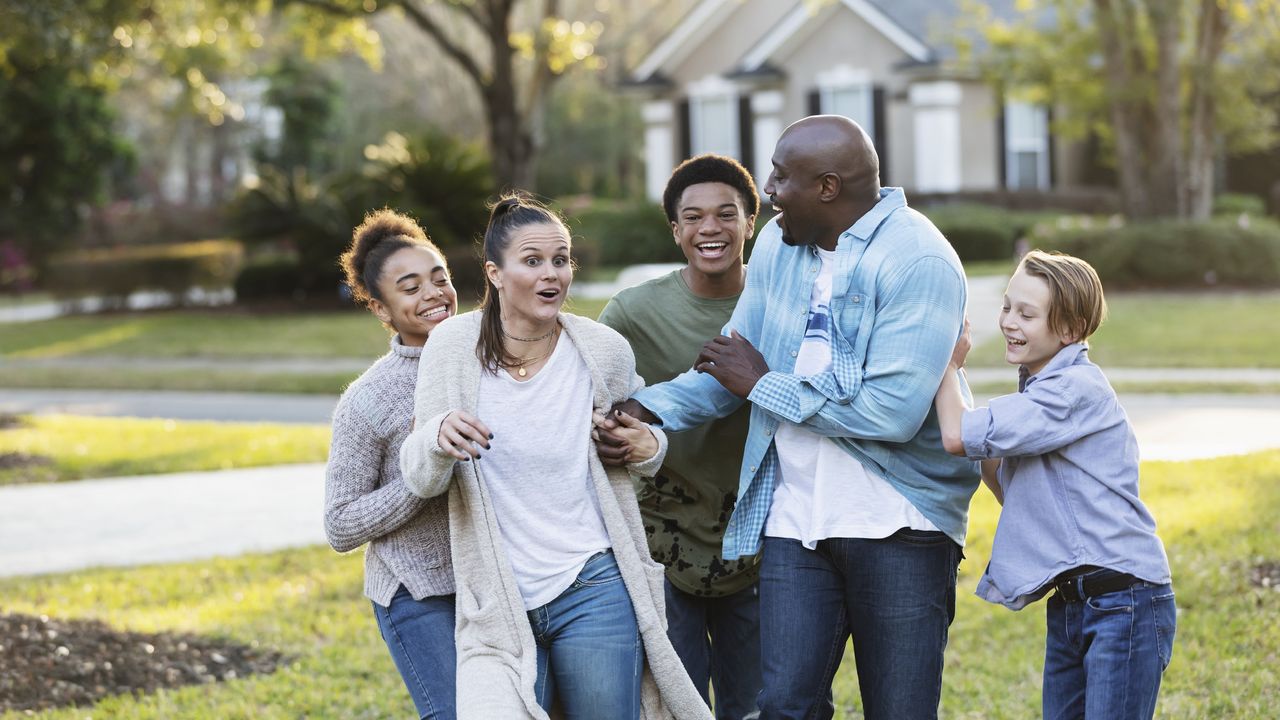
point(497, 655)
point(366, 499)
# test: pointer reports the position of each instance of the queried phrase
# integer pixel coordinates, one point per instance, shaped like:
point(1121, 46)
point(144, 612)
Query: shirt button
point(857, 298)
point(793, 353)
point(767, 433)
point(753, 468)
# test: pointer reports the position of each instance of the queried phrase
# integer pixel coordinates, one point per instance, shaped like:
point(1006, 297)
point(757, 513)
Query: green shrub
point(1234, 204)
point(115, 273)
point(1172, 254)
point(621, 233)
point(983, 232)
point(270, 280)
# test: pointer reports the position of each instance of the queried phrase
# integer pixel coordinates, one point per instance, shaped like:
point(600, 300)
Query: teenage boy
point(713, 604)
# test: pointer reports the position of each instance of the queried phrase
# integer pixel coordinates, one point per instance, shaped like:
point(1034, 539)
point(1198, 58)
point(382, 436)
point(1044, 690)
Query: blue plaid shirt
point(897, 305)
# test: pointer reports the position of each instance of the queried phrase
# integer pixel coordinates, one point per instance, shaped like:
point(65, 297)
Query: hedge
point(984, 232)
point(617, 233)
point(1172, 254)
point(115, 273)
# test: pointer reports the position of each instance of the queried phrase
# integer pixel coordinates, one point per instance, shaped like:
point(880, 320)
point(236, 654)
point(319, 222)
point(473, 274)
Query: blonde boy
point(1061, 457)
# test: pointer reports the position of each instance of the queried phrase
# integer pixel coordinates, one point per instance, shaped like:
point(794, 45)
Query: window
point(853, 102)
point(1026, 146)
point(713, 124)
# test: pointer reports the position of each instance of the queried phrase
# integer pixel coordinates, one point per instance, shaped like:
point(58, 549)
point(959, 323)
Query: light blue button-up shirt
point(897, 305)
point(1070, 482)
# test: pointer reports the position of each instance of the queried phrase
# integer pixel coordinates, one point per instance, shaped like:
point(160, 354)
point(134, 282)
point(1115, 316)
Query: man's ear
point(829, 187)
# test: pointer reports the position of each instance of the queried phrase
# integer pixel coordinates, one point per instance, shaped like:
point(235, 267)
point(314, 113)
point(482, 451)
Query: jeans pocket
point(600, 569)
point(1112, 603)
point(1165, 611)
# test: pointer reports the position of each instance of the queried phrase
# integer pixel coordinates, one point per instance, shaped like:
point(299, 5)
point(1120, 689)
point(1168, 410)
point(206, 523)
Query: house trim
point(677, 43)
point(800, 17)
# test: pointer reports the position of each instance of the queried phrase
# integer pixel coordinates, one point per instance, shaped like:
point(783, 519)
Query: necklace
point(522, 362)
point(543, 336)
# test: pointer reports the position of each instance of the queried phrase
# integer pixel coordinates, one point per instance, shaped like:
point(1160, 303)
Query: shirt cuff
point(975, 428)
point(779, 394)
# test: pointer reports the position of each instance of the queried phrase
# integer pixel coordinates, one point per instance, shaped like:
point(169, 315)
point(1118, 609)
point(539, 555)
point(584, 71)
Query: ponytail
point(512, 211)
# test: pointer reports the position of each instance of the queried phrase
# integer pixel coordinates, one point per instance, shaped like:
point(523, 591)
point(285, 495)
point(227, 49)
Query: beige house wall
point(979, 138)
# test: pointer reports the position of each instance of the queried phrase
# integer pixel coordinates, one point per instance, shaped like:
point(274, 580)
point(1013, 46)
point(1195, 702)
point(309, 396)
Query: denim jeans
point(1104, 657)
point(895, 596)
point(419, 634)
point(718, 640)
point(589, 653)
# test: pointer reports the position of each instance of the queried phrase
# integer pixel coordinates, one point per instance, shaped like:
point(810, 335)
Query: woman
point(401, 276)
point(559, 603)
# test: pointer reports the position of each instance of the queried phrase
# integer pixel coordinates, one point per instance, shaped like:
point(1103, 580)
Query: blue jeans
point(589, 653)
point(718, 640)
point(419, 634)
point(1104, 657)
point(895, 596)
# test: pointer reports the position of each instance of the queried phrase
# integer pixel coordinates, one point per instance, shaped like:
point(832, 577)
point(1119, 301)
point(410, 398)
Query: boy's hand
point(611, 445)
point(963, 346)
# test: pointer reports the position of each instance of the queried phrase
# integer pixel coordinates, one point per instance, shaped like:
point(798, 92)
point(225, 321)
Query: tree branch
point(455, 51)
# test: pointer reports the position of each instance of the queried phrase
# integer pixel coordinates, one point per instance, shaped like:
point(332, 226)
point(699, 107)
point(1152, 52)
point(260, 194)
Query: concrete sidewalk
point(188, 516)
point(159, 518)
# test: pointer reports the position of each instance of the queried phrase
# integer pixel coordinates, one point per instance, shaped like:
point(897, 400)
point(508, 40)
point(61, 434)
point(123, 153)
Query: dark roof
point(930, 21)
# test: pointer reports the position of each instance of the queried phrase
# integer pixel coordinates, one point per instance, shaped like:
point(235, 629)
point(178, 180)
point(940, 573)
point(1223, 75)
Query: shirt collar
point(890, 199)
point(408, 351)
point(1066, 357)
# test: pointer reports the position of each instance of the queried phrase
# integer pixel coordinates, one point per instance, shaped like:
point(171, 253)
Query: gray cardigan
point(365, 499)
point(497, 657)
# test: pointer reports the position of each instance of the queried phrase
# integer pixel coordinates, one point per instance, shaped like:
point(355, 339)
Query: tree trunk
point(1211, 31)
point(1130, 157)
point(1165, 160)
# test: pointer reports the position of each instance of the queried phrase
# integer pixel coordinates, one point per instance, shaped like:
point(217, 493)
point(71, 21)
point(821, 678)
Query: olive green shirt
point(686, 506)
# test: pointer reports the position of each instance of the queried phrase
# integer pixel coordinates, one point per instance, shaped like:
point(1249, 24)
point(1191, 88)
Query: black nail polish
point(490, 436)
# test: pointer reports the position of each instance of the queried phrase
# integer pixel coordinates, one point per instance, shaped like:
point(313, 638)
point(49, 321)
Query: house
point(734, 73)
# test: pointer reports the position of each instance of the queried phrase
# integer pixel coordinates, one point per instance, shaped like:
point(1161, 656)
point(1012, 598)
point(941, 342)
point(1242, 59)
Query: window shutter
point(881, 127)
point(746, 136)
point(1002, 154)
point(686, 129)
point(1051, 156)
point(815, 102)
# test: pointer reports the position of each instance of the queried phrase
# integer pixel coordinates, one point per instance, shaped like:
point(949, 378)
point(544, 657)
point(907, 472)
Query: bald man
point(852, 306)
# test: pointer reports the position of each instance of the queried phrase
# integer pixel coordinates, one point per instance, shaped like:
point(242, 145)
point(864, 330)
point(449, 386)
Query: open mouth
point(712, 249)
point(1015, 343)
point(437, 313)
point(549, 294)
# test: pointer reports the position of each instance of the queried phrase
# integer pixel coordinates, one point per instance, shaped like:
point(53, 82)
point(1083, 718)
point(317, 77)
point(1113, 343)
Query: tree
point(512, 70)
point(1167, 84)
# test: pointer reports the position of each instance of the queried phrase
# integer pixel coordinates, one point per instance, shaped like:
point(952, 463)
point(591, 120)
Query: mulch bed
point(48, 663)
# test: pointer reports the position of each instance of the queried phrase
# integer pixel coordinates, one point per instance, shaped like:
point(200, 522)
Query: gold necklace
point(530, 360)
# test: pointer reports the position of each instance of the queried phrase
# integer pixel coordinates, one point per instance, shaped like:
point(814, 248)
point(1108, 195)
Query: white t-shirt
point(542, 427)
point(822, 491)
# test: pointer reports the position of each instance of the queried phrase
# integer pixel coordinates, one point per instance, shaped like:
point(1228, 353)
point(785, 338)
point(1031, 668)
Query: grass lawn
point(90, 447)
point(1177, 330)
point(308, 604)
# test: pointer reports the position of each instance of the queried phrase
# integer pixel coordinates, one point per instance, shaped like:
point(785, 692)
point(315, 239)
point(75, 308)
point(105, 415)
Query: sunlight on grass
point(82, 447)
point(1217, 517)
point(1159, 330)
point(94, 341)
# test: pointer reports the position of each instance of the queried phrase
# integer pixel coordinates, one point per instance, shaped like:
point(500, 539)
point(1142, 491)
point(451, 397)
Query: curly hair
point(377, 238)
point(710, 168)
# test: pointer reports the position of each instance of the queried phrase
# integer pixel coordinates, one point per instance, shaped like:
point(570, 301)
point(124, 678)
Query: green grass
point(195, 333)
point(24, 299)
point(84, 447)
point(981, 268)
point(308, 604)
point(1209, 330)
point(118, 377)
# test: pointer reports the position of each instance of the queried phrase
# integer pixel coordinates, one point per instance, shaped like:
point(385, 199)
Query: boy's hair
point(710, 168)
point(1077, 306)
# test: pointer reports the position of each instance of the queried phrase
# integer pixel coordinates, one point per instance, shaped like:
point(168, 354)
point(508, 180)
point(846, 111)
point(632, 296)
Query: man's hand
point(613, 447)
point(734, 362)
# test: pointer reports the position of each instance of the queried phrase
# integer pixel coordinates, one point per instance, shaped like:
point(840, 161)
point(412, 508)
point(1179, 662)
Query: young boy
point(1061, 457)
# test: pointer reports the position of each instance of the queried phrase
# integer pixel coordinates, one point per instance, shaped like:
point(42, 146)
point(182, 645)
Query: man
point(852, 306)
point(712, 604)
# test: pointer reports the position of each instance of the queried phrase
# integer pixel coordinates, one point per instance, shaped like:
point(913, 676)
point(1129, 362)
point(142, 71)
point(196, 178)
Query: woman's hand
point(637, 439)
point(462, 435)
point(962, 348)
